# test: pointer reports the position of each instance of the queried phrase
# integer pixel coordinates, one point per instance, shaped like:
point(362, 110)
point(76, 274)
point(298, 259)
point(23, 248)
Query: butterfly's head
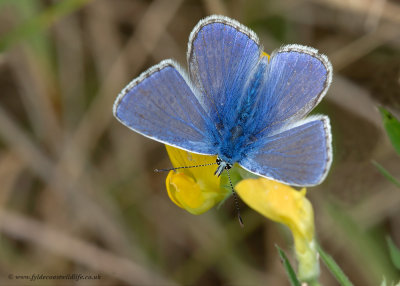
point(222, 165)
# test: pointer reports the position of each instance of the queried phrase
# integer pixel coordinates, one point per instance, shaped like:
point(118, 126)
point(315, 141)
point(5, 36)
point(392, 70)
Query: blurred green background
point(77, 189)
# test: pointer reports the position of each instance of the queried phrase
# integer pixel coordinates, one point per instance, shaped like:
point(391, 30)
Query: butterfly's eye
point(219, 161)
point(228, 166)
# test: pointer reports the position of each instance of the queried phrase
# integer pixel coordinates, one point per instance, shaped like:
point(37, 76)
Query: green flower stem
point(307, 258)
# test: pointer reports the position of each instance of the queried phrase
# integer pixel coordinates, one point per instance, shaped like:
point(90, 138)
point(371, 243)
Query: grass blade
point(288, 268)
point(334, 268)
point(386, 174)
point(394, 252)
point(392, 127)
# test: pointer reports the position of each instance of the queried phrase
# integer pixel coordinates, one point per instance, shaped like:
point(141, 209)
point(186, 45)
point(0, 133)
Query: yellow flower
point(285, 205)
point(194, 189)
point(197, 190)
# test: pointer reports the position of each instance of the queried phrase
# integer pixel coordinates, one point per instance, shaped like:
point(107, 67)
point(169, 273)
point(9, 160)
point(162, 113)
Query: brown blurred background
point(77, 189)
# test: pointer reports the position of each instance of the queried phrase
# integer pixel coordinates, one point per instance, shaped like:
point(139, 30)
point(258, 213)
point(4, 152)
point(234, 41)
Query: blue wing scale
point(160, 104)
point(221, 55)
point(297, 79)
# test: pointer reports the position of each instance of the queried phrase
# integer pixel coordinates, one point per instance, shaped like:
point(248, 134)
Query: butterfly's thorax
point(239, 128)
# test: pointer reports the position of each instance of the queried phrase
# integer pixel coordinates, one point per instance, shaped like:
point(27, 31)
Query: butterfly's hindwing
point(299, 156)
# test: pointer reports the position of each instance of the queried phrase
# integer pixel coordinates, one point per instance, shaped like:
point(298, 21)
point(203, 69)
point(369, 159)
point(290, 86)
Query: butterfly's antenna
point(236, 201)
point(184, 167)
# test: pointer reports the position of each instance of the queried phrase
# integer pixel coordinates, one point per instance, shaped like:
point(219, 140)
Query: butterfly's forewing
point(221, 55)
point(297, 79)
point(161, 105)
point(299, 156)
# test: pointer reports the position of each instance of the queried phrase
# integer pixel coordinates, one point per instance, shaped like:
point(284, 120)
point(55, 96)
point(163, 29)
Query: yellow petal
point(278, 202)
point(187, 194)
point(283, 204)
point(203, 175)
point(171, 189)
point(194, 189)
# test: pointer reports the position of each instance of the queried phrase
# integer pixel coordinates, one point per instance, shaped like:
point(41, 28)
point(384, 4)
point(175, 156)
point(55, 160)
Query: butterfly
point(237, 103)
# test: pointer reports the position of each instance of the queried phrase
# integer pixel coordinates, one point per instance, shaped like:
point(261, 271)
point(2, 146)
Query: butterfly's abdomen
point(239, 126)
point(246, 107)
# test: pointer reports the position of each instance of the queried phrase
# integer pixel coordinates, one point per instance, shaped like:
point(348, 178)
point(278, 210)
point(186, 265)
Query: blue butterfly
point(238, 104)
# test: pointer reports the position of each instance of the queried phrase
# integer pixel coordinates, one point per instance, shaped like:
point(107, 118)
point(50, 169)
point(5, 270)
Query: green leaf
point(289, 270)
point(394, 252)
point(334, 268)
point(386, 174)
point(392, 126)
